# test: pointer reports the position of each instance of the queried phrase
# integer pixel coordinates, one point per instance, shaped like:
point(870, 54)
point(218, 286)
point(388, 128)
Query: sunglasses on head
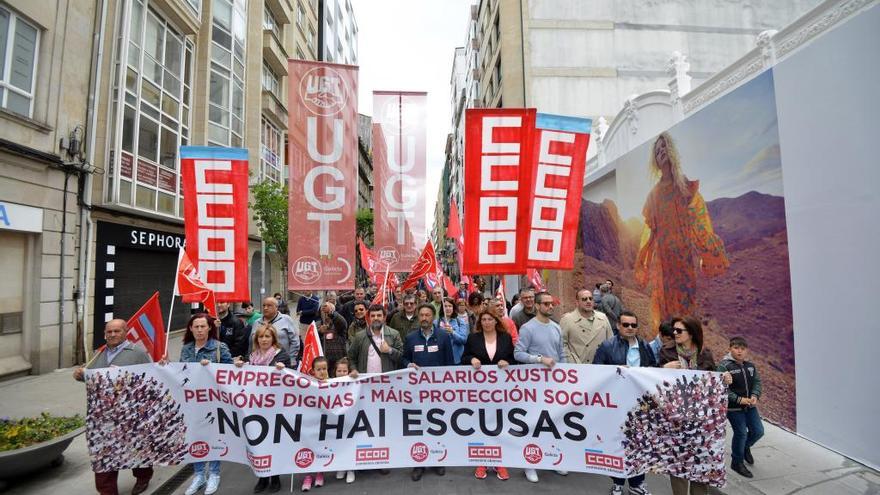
point(629, 325)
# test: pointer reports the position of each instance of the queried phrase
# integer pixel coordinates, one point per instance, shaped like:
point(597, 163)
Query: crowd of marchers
point(468, 328)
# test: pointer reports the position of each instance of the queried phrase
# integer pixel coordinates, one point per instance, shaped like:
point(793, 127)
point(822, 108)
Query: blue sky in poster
point(731, 147)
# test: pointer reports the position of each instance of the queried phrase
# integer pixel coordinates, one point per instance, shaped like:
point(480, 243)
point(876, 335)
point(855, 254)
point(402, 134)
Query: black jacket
point(475, 347)
point(235, 335)
point(613, 351)
point(746, 381)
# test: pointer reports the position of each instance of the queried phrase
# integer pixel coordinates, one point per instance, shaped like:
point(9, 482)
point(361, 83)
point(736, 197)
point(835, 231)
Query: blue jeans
point(213, 468)
point(634, 482)
point(747, 430)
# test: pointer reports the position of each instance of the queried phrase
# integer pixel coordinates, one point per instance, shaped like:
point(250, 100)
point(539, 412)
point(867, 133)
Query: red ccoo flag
point(190, 287)
point(311, 349)
point(147, 328)
point(427, 263)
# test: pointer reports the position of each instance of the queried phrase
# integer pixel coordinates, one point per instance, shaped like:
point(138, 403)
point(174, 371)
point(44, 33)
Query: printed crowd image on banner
point(693, 223)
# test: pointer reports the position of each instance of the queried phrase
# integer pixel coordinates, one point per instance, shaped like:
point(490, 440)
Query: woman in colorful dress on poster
point(678, 238)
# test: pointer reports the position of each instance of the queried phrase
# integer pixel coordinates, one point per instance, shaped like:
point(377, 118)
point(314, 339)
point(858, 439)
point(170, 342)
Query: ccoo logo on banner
point(215, 205)
point(323, 174)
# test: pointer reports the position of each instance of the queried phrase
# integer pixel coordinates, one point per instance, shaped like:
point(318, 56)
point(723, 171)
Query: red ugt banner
point(559, 152)
point(399, 158)
point(323, 175)
point(215, 205)
point(498, 148)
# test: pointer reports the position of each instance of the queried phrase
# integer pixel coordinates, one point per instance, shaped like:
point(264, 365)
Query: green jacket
point(360, 346)
point(402, 325)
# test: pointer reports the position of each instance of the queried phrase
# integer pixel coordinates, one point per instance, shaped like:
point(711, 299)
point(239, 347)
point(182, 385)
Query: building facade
point(337, 32)
point(90, 168)
point(44, 128)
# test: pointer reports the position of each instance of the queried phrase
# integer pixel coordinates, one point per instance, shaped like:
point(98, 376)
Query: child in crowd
point(742, 404)
point(321, 373)
point(342, 370)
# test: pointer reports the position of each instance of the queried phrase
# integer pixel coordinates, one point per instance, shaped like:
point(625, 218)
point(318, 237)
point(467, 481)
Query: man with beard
point(625, 349)
point(378, 350)
point(233, 332)
point(428, 347)
point(583, 330)
point(526, 309)
point(540, 342)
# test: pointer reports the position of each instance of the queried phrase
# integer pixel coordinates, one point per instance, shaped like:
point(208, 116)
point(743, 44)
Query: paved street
point(785, 464)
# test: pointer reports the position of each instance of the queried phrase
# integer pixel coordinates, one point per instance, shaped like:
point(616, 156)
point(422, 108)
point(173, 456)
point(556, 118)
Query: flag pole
point(171, 309)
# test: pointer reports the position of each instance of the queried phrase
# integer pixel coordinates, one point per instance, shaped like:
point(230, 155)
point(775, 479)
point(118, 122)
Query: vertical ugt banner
point(559, 152)
point(399, 158)
point(323, 175)
point(498, 147)
point(215, 205)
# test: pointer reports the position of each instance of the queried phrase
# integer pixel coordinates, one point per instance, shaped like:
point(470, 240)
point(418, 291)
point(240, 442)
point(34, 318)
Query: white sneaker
point(639, 490)
point(532, 475)
point(562, 473)
point(197, 483)
point(213, 484)
point(340, 475)
point(349, 476)
point(617, 489)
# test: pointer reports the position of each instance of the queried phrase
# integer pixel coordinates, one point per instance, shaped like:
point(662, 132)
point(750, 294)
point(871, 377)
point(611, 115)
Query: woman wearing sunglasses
point(688, 353)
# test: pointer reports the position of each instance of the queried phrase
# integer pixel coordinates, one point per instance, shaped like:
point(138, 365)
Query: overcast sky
point(409, 45)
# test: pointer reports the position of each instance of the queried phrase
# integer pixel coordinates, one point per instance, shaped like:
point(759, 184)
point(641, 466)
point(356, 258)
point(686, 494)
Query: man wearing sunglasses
point(627, 349)
point(540, 342)
point(583, 330)
point(405, 321)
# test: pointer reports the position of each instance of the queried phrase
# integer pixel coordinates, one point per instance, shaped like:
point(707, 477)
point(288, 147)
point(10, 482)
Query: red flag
point(323, 175)
point(449, 285)
point(146, 327)
point(190, 287)
point(215, 197)
point(453, 231)
point(498, 149)
point(553, 193)
point(499, 294)
point(427, 263)
point(399, 162)
point(311, 349)
point(535, 279)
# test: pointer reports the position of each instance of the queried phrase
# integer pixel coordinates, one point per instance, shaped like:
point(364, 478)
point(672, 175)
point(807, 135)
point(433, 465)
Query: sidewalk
point(59, 394)
point(784, 463)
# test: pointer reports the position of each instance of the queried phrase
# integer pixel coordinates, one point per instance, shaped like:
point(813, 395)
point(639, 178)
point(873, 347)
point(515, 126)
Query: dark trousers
point(106, 482)
point(747, 429)
point(634, 482)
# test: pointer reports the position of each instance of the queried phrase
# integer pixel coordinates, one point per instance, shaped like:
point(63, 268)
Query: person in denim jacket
point(201, 344)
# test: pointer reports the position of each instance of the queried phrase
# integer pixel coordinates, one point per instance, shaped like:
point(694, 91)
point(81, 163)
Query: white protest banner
point(600, 419)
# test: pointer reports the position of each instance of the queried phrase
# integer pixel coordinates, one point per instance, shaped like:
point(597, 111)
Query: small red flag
point(147, 328)
point(427, 263)
point(311, 349)
point(190, 287)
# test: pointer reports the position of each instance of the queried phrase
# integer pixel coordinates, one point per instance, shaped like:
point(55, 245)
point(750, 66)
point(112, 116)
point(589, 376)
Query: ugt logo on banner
point(215, 190)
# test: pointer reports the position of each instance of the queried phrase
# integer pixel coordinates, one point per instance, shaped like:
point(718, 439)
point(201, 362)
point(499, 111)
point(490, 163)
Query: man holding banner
point(117, 352)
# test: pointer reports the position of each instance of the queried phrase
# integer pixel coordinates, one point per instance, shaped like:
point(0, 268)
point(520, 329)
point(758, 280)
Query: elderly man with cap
point(117, 352)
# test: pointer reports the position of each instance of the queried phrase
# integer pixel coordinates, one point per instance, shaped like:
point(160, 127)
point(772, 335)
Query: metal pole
point(61, 269)
point(262, 271)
